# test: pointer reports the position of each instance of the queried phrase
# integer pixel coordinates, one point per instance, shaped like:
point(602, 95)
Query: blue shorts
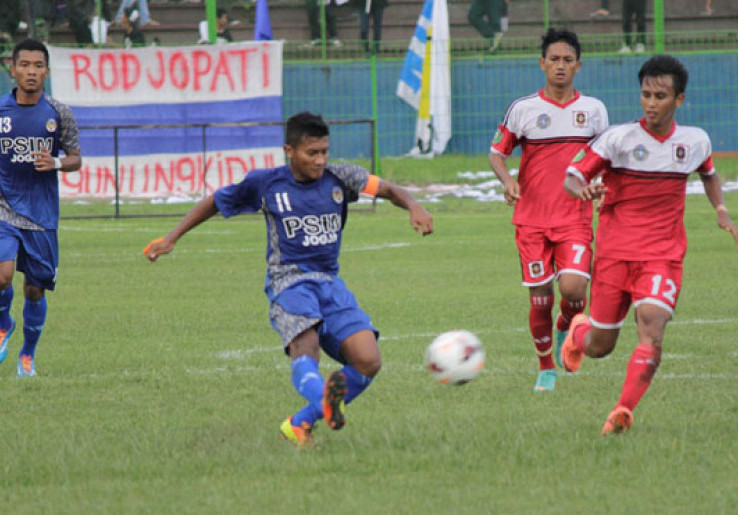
point(36, 254)
point(330, 305)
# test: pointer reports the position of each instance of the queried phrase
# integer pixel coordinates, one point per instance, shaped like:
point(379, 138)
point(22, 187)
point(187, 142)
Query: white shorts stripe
point(573, 271)
point(655, 302)
point(540, 283)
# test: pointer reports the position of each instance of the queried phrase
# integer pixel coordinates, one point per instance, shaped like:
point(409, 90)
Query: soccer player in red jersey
point(553, 232)
point(641, 239)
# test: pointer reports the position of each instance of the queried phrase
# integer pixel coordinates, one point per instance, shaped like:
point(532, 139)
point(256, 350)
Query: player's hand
point(511, 192)
point(43, 161)
point(158, 247)
point(725, 223)
point(593, 191)
point(421, 220)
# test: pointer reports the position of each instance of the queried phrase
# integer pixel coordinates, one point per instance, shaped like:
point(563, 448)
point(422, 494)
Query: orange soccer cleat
point(619, 421)
point(571, 355)
point(301, 436)
point(334, 392)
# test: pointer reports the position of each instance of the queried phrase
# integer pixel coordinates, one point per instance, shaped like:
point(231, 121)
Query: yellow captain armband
point(372, 186)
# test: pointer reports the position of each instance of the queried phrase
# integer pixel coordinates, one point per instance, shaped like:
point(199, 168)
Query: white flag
point(425, 79)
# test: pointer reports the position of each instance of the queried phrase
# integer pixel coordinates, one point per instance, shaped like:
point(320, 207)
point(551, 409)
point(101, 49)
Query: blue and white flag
point(226, 84)
point(262, 22)
point(425, 79)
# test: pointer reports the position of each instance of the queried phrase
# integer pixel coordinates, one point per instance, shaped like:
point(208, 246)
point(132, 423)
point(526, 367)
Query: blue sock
point(355, 383)
point(6, 299)
point(34, 316)
point(309, 383)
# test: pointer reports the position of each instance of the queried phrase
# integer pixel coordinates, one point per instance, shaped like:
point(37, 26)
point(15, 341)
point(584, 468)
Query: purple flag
point(262, 24)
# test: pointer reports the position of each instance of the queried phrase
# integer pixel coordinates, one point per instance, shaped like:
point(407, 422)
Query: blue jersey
point(25, 194)
point(304, 221)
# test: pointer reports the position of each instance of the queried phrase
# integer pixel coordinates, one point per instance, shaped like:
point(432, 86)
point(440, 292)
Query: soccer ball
point(455, 357)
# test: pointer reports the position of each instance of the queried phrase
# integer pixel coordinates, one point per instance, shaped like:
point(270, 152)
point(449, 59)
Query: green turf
point(161, 386)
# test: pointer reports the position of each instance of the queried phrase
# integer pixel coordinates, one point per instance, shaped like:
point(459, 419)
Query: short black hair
point(555, 35)
point(660, 65)
point(220, 12)
point(31, 45)
point(304, 124)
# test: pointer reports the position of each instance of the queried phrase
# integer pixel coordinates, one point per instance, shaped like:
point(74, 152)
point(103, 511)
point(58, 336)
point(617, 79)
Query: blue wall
point(483, 89)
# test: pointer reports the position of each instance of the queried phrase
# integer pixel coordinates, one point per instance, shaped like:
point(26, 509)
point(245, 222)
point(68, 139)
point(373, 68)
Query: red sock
point(642, 366)
point(568, 310)
point(541, 328)
point(579, 334)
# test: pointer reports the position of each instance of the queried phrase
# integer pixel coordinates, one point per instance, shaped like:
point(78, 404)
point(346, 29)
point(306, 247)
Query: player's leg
point(348, 336)
point(537, 262)
point(34, 318)
point(295, 315)
point(38, 260)
point(656, 290)
point(573, 256)
point(8, 253)
point(595, 336)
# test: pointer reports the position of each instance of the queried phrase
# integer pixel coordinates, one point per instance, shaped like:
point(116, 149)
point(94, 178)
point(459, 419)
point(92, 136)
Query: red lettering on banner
point(157, 82)
point(222, 68)
point(190, 177)
point(179, 57)
point(75, 185)
point(199, 71)
point(268, 160)
point(131, 70)
point(265, 66)
point(244, 55)
point(146, 178)
point(108, 178)
point(81, 66)
point(107, 57)
point(161, 175)
point(235, 164)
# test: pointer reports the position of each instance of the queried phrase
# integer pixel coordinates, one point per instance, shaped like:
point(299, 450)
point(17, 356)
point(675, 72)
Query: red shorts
point(616, 284)
point(549, 252)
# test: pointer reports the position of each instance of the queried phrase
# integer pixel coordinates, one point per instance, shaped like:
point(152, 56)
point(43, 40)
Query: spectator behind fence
point(637, 9)
point(370, 9)
point(603, 11)
point(130, 22)
point(142, 8)
point(222, 33)
point(80, 13)
point(42, 15)
point(313, 12)
point(11, 13)
point(486, 17)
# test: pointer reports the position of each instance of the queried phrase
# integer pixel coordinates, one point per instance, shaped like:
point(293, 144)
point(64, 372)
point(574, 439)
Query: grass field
point(161, 386)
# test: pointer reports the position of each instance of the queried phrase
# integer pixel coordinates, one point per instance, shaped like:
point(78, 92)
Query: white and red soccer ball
point(455, 357)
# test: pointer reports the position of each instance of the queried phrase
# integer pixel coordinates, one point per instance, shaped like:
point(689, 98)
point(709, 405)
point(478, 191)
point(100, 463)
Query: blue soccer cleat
point(546, 381)
point(26, 367)
point(560, 337)
point(5, 339)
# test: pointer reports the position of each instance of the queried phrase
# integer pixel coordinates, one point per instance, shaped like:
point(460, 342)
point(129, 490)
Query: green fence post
point(375, 112)
point(211, 12)
point(545, 15)
point(658, 26)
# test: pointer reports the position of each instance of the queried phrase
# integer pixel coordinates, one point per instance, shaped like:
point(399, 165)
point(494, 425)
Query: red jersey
point(550, 134)
point(642, 215)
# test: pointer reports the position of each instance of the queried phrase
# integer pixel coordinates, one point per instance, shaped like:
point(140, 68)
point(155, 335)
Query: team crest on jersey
point(498, 137)
point(580, 155)
point(581, 119)
point(640, 153)
point(51, 125)
point(535, 269)
point(679, 152)
point(543, 121)
point(337, 194)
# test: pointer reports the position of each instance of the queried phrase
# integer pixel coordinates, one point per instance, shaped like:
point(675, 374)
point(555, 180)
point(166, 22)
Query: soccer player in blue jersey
point(305, 204)
point(33, 129)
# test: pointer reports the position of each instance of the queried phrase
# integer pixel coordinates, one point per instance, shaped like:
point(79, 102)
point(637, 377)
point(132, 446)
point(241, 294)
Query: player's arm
point(714, 192)
point(583, 175)
point(202, 211)
point(43, 161)
point(420, 219)
point(510, 185)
